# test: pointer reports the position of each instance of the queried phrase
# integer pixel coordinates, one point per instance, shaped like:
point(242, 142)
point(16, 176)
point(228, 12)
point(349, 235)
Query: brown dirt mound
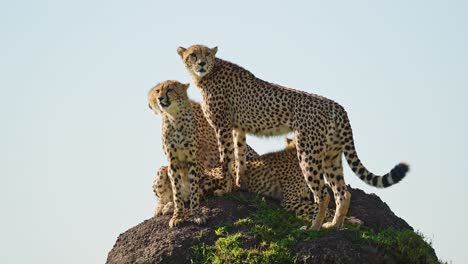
point(153, 242)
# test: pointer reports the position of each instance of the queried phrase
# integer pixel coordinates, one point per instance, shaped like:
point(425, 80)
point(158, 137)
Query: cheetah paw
point(315, 225)
point(353, 221)
point(158, 211)
point(330, 225)
point(199, 220)
point(175, 221)
point(219, 193)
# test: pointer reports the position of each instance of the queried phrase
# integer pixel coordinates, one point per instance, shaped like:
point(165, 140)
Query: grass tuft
point(406, 246)
point(268, 236)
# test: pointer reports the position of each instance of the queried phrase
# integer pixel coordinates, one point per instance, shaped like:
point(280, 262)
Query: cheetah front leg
point(226, 151)
point(194, 173)
point(310, 152)
point(175, 178)
point(240, 158)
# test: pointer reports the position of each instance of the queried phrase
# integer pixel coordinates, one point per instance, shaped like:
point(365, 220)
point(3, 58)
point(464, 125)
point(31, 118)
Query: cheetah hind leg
point(304, 208)
point(163, 209)
point(169, 207)
point(222, 191)
point(225, 186)
point(340, 214)
point(310, 161)
point(158, 210)
point(334, 172)
point(214, 181)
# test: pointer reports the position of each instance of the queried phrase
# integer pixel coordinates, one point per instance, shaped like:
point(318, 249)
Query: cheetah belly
point(275, 131)
point(263, 179)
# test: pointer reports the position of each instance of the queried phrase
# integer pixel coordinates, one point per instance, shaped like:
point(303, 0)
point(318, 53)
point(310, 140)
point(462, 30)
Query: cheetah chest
point(181, 146)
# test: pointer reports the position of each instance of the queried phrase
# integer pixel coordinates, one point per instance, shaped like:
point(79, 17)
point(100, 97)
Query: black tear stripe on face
point(167, 94)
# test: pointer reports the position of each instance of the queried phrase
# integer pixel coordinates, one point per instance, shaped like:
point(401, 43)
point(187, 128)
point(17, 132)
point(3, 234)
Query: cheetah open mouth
point(161, 103)
point(202, 70)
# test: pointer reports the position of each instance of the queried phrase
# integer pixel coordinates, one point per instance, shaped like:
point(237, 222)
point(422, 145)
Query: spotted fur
point(212, 182)
point(190, 145)
point(235, 102)
point(276, 175)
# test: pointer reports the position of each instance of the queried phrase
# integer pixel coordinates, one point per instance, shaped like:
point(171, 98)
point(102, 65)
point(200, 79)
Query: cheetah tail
point(394, 176)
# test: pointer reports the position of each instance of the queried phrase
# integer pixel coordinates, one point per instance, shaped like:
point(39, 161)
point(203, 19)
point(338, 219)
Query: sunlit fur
point(276, 175)
point(236, 102)
point(183, 121)
point(180, 145)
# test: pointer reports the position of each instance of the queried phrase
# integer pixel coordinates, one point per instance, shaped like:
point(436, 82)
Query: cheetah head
point(168, 97)
point(290, 143)
point(198, 59)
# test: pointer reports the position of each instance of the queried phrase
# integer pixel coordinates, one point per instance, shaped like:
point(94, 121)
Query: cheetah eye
point(194, 56)
point(157, 91)
point(208, 54)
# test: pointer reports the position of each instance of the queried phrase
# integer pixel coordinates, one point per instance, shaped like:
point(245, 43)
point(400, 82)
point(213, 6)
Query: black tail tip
point(399, 172)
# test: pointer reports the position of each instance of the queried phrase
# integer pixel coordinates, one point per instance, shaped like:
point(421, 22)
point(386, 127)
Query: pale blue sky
point(79, 147)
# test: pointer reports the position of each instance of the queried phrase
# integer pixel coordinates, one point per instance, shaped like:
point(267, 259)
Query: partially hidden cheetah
point(212, 182)
point(190, 146)
point(276, 175)
point(235, 102)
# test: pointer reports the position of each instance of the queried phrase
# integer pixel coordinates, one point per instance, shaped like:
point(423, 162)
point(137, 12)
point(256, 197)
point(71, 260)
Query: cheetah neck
point(183, 111)
point(201, 81)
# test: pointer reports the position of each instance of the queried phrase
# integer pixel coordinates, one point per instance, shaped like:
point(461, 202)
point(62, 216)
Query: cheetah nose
point(160, 98)
point(202, 63)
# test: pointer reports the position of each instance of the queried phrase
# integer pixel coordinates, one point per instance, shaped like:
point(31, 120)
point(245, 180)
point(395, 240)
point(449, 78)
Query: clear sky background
point(79, 146)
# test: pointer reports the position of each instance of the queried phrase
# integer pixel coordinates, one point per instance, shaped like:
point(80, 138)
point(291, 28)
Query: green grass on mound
point(268, 236)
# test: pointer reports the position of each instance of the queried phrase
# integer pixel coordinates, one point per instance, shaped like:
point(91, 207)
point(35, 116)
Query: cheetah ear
point(214, 50)
point(288, 141)
point(186, 86)
point(180, 51)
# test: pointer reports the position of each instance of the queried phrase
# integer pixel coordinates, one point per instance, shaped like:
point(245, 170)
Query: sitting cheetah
point(212, 183)
point(276, 175)
point(236, 102)
point(162, 188)
point(186, 133)
point(180, 143)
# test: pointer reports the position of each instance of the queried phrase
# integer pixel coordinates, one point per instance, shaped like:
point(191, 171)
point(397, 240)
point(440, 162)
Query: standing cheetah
point(236, 102)
point(276, 175)
point(189, 143)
